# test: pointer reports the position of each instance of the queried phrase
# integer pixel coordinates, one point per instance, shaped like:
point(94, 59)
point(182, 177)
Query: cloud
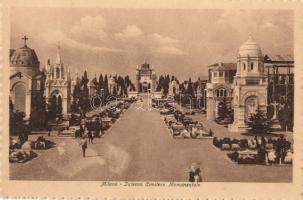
point(54, 36)
point(269, 25)
point(161, 39)
point(130, 31)
point(134, 39)
point(90, 34)
point(170, 50)
point(90, 27)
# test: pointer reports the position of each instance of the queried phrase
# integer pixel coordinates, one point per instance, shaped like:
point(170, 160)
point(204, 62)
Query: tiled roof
point(278, 58)
point(224, 66)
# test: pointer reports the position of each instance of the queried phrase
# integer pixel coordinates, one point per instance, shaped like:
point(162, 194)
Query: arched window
point(20, 97)
point(218, 93)
point(57, 72)
point(244, 66)
point(251, 66)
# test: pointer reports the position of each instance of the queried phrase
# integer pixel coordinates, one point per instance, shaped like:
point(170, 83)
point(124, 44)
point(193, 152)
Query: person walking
point(90, 137)
point(197, 175)
point(83, 144)
point(81, 131)
point(191, 177)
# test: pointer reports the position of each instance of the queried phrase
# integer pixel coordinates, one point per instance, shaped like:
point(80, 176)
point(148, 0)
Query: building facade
point(112, 84)
point(146, 78)
point(174, 88)
point(219, 87)
point(250, 85)
point(26, 80)
point(280, 73)
point(58, 83)
point(201, 93)
point(257, 80)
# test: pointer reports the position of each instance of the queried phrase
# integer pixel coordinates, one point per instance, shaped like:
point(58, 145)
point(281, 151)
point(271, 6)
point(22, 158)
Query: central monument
point(146, 78)
point(250, 85)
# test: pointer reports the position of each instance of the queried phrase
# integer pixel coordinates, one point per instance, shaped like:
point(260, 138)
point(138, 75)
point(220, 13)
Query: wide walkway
point(139, 148)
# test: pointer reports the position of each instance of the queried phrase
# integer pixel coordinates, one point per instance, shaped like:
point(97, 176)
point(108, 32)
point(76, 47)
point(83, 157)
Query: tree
point(84, 102)
point(95, 82)
point(285, 117)
point(182, 88)
point(106, 89)
point(160, 83)
point(258, 122)
point(76, 96)
point(52, 107)
point(38, 116)
point(166, 84)
point(121, 86)
point(17, 124)
point(190, 89)
point(100, 84)
point(59, 106)
point(115, 91)
point(222, 109)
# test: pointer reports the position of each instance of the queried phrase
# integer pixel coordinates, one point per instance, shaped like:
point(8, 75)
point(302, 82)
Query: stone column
point(64, 106)
point(28, 102)
point(210, 108)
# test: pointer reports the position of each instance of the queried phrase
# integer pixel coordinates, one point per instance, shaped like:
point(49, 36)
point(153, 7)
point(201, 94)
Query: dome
point(250, 48)
point(24, 57)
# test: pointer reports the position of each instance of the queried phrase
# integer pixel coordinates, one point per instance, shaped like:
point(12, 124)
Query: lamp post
point(148, 99)
point(102, 95)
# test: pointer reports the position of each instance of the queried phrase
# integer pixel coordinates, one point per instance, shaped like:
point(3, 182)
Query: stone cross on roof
point(25, 38)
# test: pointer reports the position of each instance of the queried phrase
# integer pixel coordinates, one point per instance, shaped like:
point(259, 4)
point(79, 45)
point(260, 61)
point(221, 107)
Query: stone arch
point(252, 93)
point(16, 83)
point(56, 100)
point(251, 104)
point(56, 92)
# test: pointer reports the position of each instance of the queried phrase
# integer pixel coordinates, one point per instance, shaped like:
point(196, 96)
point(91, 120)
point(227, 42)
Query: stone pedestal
point(238, 127)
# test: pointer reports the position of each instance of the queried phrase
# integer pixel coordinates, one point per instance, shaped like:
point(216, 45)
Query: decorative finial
point(250, 37)
point(58, 46)
point(24, 38)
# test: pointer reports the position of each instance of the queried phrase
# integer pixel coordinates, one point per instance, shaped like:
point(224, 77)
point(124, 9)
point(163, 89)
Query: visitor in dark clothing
point(90, 137)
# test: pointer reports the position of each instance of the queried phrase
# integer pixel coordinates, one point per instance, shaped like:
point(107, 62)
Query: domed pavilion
point(250, 85)
point(26, 79)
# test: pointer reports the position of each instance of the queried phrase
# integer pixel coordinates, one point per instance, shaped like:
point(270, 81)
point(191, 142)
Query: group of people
point(194, 174)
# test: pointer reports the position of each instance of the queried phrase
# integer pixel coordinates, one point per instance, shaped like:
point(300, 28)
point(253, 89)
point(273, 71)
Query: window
point(251, 66)
point(244, 66)
point(221, 92)
point(220, 74)
point(215, 74)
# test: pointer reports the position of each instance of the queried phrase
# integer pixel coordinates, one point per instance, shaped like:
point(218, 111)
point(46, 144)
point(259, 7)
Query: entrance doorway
point(251, 106)
point(20, 97)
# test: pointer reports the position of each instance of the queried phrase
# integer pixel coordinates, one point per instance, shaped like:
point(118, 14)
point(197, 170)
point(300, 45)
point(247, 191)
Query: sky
point(181, 42)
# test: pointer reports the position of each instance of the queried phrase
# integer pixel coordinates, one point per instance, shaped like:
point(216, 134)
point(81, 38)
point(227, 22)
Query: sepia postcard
point(151, 99)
